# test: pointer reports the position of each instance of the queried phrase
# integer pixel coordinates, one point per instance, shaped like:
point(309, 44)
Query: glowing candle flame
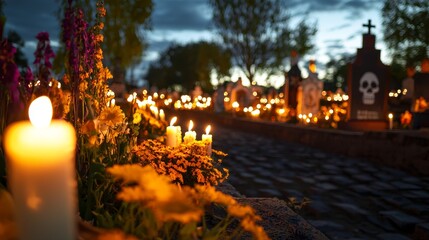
point(390, 115)
point(191, 125)
point(173, 120)
point(40, 112)
point(208, 129)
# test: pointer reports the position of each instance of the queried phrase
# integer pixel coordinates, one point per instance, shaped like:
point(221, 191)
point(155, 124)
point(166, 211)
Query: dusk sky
point(339, 24)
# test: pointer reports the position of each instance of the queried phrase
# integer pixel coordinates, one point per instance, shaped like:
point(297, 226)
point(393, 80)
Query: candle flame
point(191, 125)
point(208, 129)
point(40, 112)
point(390, 115)
point(173, 120)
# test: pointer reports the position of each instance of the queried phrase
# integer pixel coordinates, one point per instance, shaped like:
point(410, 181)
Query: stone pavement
point(350, 198)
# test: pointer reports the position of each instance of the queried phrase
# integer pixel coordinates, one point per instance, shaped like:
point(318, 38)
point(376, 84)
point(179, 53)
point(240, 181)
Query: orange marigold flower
point(257, 231)
point(101, 10)
point(100, 25)
point(99, 37)
point(112, 116)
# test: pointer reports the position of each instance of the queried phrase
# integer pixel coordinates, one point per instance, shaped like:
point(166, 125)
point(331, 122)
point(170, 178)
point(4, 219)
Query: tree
point(125, 21)
point(189, 65)
point(15, 39)
point(406, 29)
point(336, 72)
point(258, 35)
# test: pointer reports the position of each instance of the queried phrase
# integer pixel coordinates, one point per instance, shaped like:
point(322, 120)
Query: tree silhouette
point(189, 65)
point(406, 30)
point(124, 24)
point(258, 34)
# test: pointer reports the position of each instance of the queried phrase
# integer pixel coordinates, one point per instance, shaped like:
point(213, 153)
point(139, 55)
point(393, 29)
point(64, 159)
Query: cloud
point(181, 15)
point(342, 26)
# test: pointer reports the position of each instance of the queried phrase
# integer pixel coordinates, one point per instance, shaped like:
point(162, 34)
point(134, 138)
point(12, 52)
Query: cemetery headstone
point(293, 80)
point(240, 94)
point(311, 92)
point(368, 82)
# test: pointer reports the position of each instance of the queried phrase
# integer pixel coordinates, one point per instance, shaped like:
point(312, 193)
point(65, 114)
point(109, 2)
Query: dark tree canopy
point(258, 33)
point(336, 72)
point(406, 29)
point(124, 23)
point(189, 65)
point(15, 39)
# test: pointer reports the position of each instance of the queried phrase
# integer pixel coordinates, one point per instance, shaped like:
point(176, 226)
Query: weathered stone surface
point(421, 232)
point(401, 220)
point(392, 236)
point(280, 222)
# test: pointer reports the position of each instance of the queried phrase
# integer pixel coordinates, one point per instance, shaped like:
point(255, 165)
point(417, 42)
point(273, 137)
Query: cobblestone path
point(350, 198)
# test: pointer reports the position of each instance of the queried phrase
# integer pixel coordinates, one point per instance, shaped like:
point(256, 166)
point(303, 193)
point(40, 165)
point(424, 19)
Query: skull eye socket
point(364, 84)
point(373, 84)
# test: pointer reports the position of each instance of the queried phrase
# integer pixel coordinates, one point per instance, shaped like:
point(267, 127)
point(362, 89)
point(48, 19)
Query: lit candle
point(172, 134)
point(390, 116)
point(161, 115)
point(207, 139)
point(179, 135)
point(40, 157)
point(190, 135)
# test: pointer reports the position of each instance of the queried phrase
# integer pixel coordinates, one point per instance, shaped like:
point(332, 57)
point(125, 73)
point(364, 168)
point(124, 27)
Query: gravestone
point(293, 79)
point(368, 81)
point(310, 93)
point(240, 94)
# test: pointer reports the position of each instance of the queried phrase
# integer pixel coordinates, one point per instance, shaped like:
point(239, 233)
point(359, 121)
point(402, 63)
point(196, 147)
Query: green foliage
point(124, 43)
point(336, 72)
point(258, 33)
point(189, 65)
point(406, 30)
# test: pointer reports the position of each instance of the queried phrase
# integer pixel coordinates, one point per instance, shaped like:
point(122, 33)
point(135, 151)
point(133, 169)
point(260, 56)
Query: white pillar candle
point(190, 135)
point(178, 135)
point(172, 134)
point(207, 139)
point(40, 157)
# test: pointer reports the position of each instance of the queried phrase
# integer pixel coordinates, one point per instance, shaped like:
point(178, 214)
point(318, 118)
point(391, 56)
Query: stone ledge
point(278, 220)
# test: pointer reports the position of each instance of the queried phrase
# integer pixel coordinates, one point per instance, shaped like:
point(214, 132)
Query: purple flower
point(9, 73)
point(44, 50)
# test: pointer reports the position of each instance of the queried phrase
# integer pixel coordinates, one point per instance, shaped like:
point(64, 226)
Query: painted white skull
point(369, 86)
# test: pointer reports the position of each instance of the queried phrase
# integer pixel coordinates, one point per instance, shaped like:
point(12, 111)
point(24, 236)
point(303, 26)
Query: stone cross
point(369, 26)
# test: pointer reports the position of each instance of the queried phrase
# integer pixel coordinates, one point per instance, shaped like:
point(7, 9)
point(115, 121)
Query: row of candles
point(174, 135)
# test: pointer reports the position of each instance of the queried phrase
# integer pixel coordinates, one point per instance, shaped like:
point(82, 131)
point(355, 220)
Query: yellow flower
point(112, 116)
point(166, 200)
point(137, 117)
point(83, 86)
point(100, 25)
point(88, 127)
point(257, 231)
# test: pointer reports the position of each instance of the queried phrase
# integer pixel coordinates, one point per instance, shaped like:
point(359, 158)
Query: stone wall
point(403, 149)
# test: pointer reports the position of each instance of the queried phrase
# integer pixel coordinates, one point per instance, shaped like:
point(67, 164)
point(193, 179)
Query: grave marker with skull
point(369, 86)
point(368, 82)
